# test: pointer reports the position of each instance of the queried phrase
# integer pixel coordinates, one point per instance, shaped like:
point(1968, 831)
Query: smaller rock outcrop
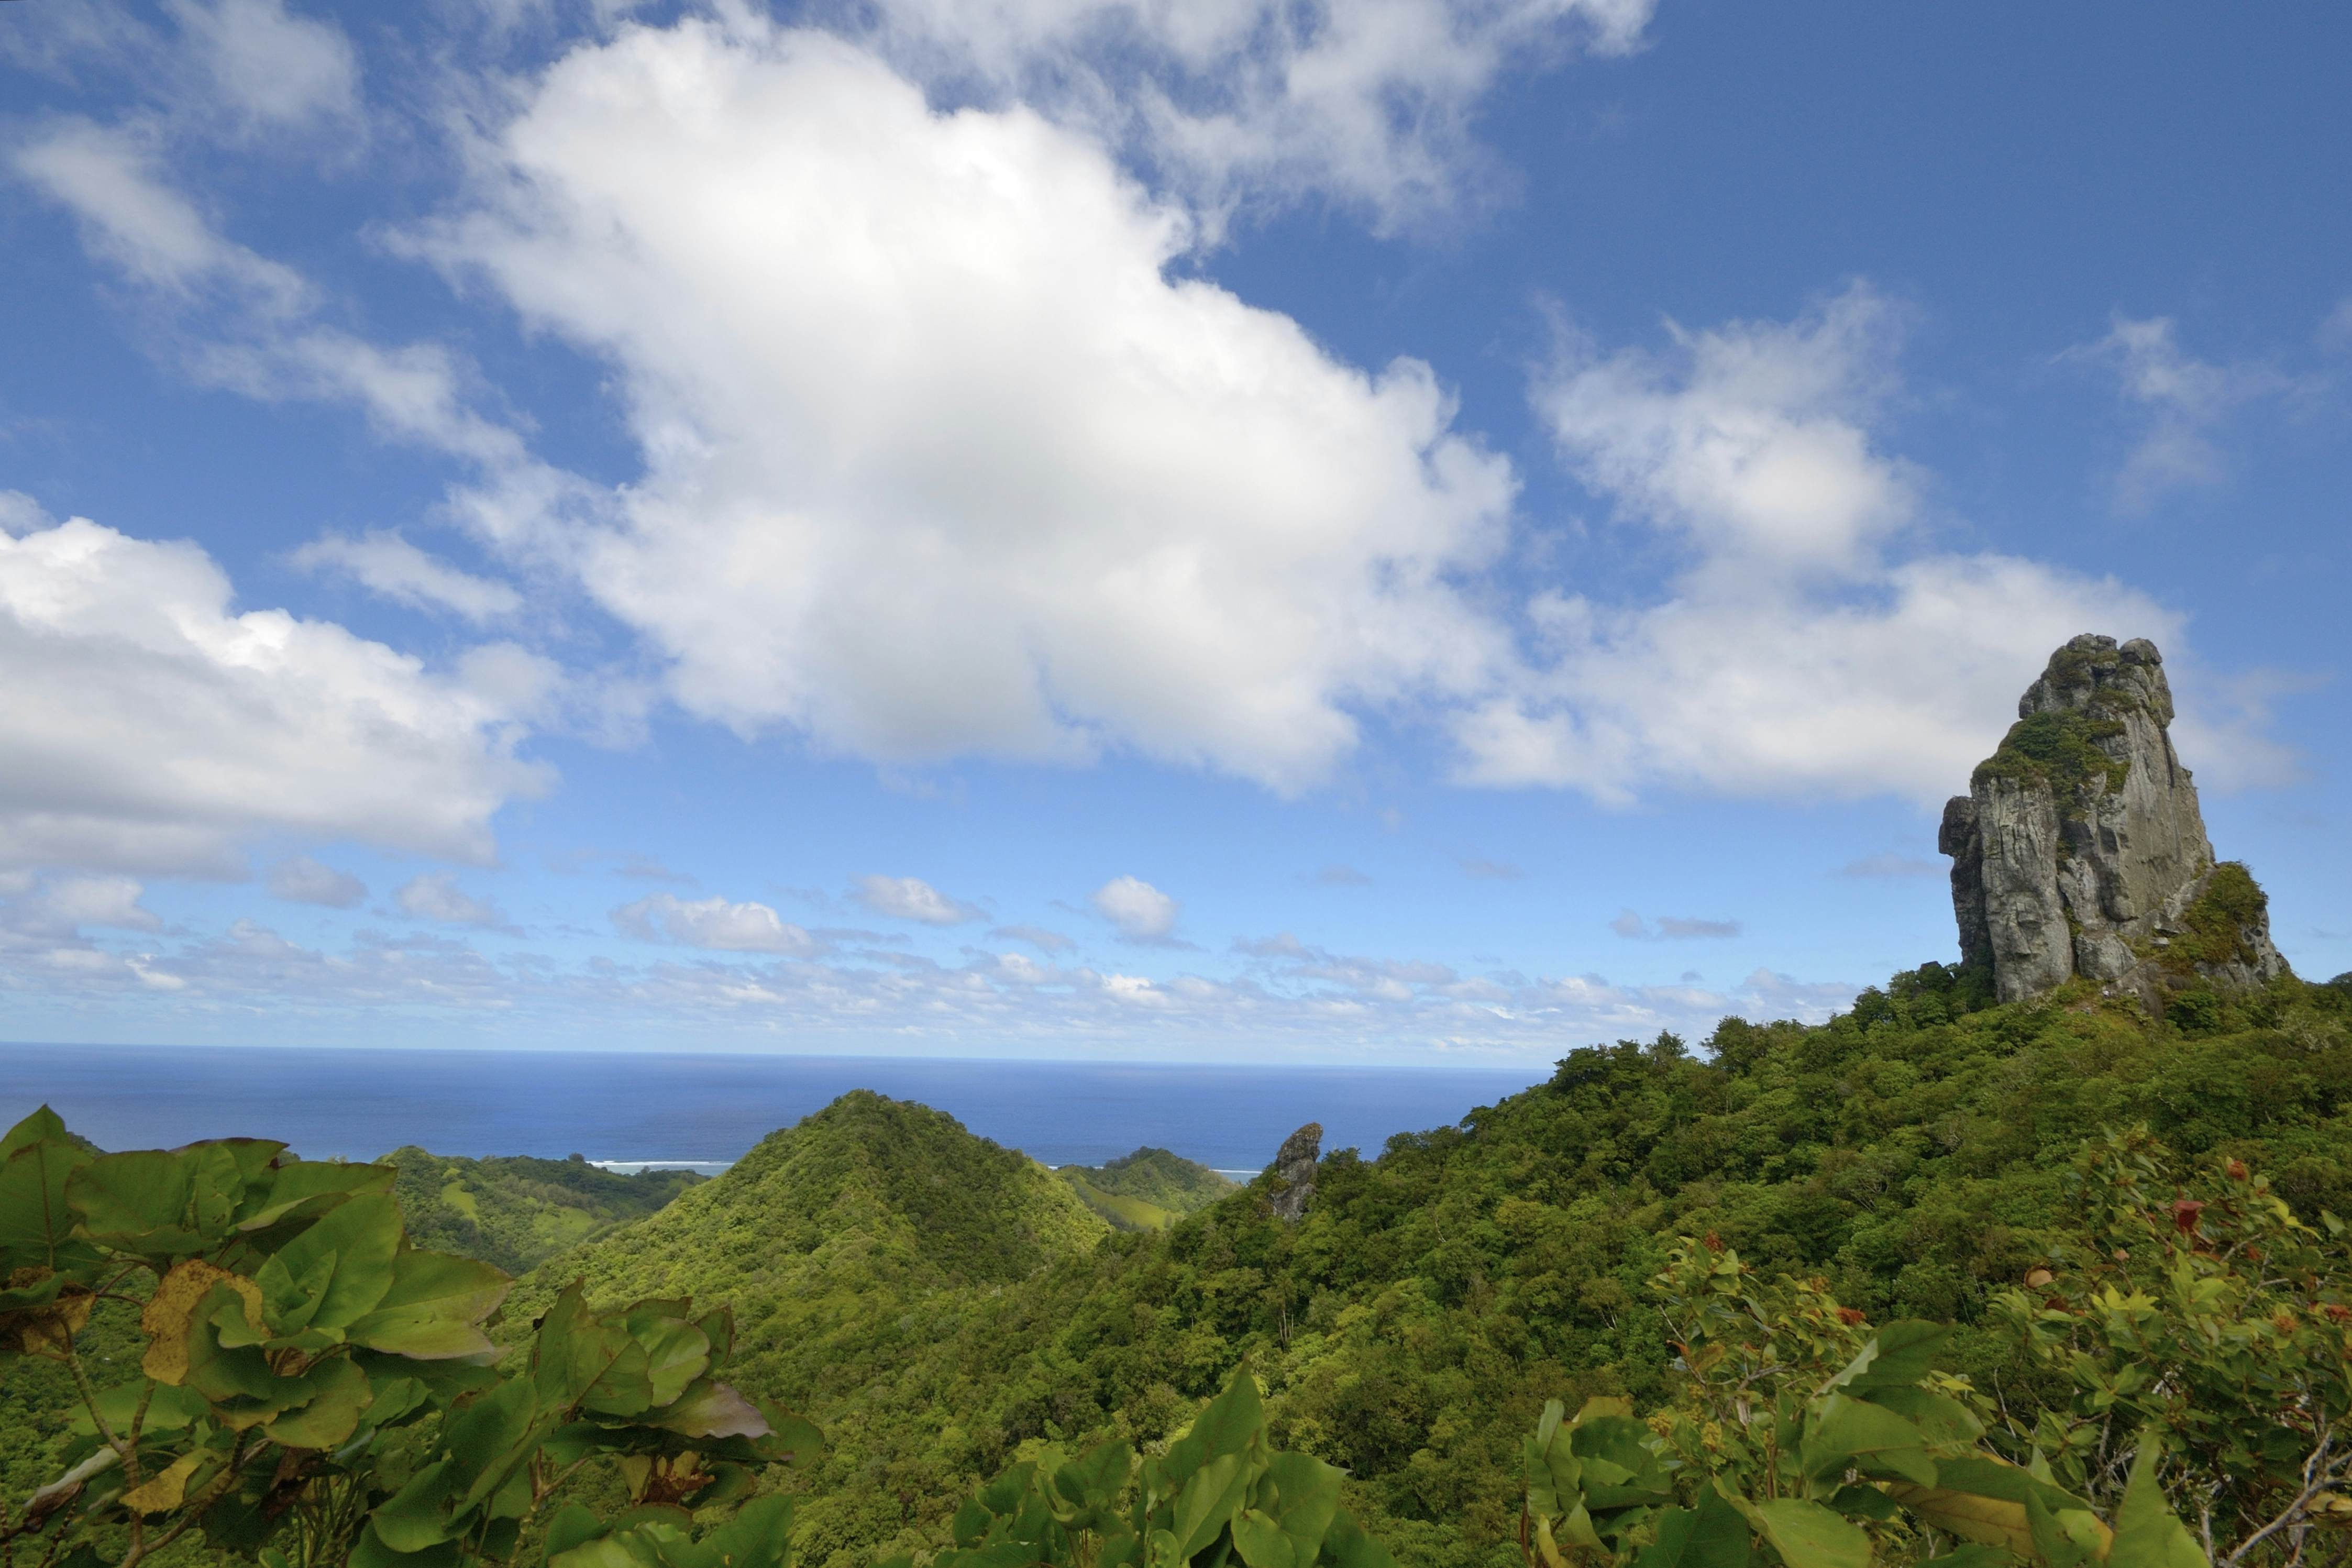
point(1294, 1171)
point(2080, 850)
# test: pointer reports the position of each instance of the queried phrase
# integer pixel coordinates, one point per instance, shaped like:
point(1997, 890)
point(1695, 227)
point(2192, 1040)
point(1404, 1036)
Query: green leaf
point(2065, 1538)
point(329, 1413)
point(1712, 1535)
point(2147, 1535)
point(709, 1409)
point(1224, 1426)
point(758, 1536)
point(357, 1241)
point(677, 1350)
point(169, 1409)
point(1897, 1356)
point(1944, 1421)
point(300, 1189)
point(1345, 1545)
point(574, 1348)
point(139, 1202)
point(490, 1435)
point(416, 1515)
point(1848, 1432)
point(1302, 1493)
point(569, 1526)
point(1260, 1541)
point(1209, 1500)
point(1096, 1477)
point(434, 1309)
point(37, 1159)
point(1808, 1535)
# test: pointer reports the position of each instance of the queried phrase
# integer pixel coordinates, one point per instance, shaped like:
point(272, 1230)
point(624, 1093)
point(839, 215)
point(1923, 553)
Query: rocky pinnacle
point(2079, 848)
point(1294, 1167)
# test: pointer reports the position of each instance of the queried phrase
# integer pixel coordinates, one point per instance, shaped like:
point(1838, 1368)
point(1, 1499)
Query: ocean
point(627, 1111)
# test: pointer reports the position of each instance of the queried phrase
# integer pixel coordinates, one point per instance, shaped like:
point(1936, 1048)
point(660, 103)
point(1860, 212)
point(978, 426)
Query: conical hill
point(868, 1204)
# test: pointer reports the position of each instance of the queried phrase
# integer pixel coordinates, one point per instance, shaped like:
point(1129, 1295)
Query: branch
point(2316, 1476)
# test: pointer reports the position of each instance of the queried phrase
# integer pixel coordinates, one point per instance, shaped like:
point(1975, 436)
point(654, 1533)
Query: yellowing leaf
point(170, 1312)
point(1988, 1521)
point(165, 1489)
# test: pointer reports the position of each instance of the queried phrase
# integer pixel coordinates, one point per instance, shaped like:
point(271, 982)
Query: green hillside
point(1912, 1153)
point(851, 1246)
point(1147, 1190)
point(515, 1211)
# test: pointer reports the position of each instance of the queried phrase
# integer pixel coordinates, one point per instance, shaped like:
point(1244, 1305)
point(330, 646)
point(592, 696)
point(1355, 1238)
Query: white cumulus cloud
point(715, 923)
point(941, 459)
point(152, 727)
point(1139, 911)
point(1800, 651)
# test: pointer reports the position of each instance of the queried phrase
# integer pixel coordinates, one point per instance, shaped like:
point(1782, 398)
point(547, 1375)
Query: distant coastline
point(702, 1112)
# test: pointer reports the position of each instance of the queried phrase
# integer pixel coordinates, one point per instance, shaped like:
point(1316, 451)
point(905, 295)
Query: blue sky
point(1410, 532)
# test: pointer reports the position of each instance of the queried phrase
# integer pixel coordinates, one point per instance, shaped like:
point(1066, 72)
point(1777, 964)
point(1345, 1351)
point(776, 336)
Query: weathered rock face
point(1293, 1166)
point(2079, 848)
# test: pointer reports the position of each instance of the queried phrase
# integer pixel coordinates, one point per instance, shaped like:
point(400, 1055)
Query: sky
point(1403, 531)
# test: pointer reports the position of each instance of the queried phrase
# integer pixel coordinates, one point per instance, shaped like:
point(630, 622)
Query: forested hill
point(514, 1210)
point(1147, 1190)
point(938, 1302)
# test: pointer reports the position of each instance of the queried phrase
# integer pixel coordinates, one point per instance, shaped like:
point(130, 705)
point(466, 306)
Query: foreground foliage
point(516, 1212)
point(312, 1389)
point(1703, 1246)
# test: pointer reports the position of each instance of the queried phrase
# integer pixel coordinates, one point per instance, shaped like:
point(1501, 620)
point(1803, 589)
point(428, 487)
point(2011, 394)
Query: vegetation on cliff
point(1914, 1154)
point(1147, 1190)
point(514, 1210)
point(2071, 1238)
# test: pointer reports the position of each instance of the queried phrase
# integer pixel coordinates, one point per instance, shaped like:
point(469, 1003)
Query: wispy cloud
point(2182, 400)
point(1671, 928)
point(912, 898)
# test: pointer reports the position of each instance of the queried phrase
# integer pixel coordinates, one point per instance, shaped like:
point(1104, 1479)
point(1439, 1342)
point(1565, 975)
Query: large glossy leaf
point(1713, 1535)
point(1851, 1433)
point(1209, 1500)
point(1944, 1421)
point(356, 1242)
point(2147, 1534)
point(1301, 1494)
point(576, 1347)
point(434, 1309)
point(758, 1536)
point(1345, 1545)
point(1808, 1535)
point(677, 1350)
point(1897, 1356)
point(490, 1435)
point(37, 1157)
point(330, 1412)
point(416, 1515)
point(710, 1409)
point(1224, 1426)
point(298, 1189)
point(1981, 1498)
point(140, 1202)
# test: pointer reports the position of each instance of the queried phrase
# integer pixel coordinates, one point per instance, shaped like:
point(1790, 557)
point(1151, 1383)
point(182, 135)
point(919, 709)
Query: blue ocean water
point(707, 1109)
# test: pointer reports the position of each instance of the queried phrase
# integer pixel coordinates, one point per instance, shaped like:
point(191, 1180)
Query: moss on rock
point(2060, 749)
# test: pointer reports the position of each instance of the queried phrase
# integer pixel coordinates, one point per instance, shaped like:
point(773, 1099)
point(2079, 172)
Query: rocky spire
point(2079, 848)
point(1294, 1168)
